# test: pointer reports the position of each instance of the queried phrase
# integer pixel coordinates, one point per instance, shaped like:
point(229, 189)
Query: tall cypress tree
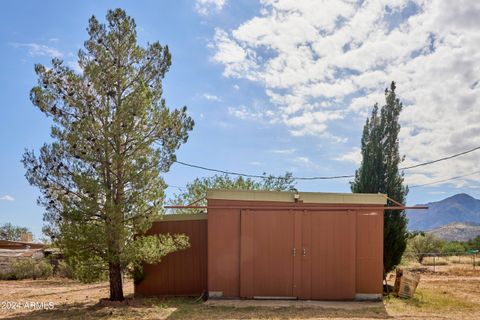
point(379, 172)
point(113, 136)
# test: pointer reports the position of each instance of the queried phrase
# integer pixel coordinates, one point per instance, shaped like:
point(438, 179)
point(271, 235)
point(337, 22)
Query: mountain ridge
point(457, 231)
point(460, 207)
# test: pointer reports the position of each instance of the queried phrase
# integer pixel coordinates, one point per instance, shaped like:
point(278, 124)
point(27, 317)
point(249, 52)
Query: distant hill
point(460, 231)
point(458, 208)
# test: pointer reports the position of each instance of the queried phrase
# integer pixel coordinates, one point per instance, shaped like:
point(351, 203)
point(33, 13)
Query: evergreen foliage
point(379, 172)
point(113, 136)
point(11, 232)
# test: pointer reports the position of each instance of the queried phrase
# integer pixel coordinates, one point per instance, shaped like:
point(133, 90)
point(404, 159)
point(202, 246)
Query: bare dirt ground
point(447, 294)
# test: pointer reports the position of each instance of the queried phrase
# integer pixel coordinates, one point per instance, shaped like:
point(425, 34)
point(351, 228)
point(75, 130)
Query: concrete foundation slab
point(345, 305)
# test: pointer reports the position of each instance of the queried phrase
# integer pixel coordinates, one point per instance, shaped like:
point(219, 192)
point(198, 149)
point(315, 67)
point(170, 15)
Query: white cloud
point(310, 123)
point(207, 7)
point(36, 49)
point(211, 97)
point(240, 112)
point(305, 162)
point(7, 197)
point(302, 160)
point(324, 63)
point(284, 151)
point(437, 192)
point(353, 156)
point(236, 59)
point(257, 112)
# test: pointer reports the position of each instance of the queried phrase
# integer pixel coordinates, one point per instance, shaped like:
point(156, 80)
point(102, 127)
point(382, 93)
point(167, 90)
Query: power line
point(445, 180)
point(259, 176)
point(441, 159)
point(173, 186)
point(410, 187)
point(321, 177)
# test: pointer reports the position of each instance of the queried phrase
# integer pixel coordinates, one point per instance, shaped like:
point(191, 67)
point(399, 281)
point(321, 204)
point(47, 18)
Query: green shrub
point(5, 275)
point(42, 269)
point(88, 271)
point(453, 247)
point(420, 245)
point(29, 269)
point(137, 274)
point(22, 268)
point(64, 270)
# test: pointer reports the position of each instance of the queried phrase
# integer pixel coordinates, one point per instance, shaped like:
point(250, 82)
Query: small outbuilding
point(263, 244)
point(15, 250)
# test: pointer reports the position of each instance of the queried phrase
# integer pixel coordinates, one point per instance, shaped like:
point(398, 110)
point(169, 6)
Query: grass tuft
point(430, 301)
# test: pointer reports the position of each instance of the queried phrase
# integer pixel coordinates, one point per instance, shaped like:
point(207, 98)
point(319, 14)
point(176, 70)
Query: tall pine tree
point(113, 136)
point(379, 172)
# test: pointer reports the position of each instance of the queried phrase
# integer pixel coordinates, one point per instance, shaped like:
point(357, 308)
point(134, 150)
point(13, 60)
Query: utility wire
point(410, 187)
point(445, 180)
point(172, 186)
point(441, 159)
point(321, 177)
point(259, 176)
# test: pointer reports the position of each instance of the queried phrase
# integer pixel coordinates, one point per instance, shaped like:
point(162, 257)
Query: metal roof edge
point(306, 197)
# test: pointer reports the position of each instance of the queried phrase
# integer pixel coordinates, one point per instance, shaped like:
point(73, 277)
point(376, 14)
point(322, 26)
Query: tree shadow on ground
point(189, 308)
point(67, 291)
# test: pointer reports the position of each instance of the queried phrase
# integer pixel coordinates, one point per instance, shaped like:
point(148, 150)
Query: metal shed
point(263, 244)
point(325, 246)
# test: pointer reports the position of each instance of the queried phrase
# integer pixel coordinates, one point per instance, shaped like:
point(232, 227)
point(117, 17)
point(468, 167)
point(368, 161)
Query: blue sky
point(272, 86)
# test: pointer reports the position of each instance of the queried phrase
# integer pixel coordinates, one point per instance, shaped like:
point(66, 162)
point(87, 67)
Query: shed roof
point(306, 197)
point(9, 244)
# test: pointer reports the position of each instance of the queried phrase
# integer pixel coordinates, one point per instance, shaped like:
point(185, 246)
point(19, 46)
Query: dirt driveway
point(440, 295)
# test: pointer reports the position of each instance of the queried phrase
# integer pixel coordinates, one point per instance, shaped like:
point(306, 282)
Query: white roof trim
point(306, 197)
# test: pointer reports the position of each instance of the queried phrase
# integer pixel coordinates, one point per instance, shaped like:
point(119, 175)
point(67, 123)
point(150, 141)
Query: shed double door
point(297, 254)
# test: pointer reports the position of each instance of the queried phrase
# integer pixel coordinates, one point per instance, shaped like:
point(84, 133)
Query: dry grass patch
point(428, 300)
point(183, 308)
point(470, 272)
point(197, 312)
point(453, 294)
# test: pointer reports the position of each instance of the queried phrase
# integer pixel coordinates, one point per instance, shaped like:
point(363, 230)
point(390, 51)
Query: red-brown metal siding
point(344, 250)
point(283, 250)
point(369, 262)
point(331, 250)
point(224, 251)
point(271, 238)
point(179, 273)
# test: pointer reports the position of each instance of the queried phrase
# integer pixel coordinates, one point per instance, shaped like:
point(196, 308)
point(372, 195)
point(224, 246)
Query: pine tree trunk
point(116, 288)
